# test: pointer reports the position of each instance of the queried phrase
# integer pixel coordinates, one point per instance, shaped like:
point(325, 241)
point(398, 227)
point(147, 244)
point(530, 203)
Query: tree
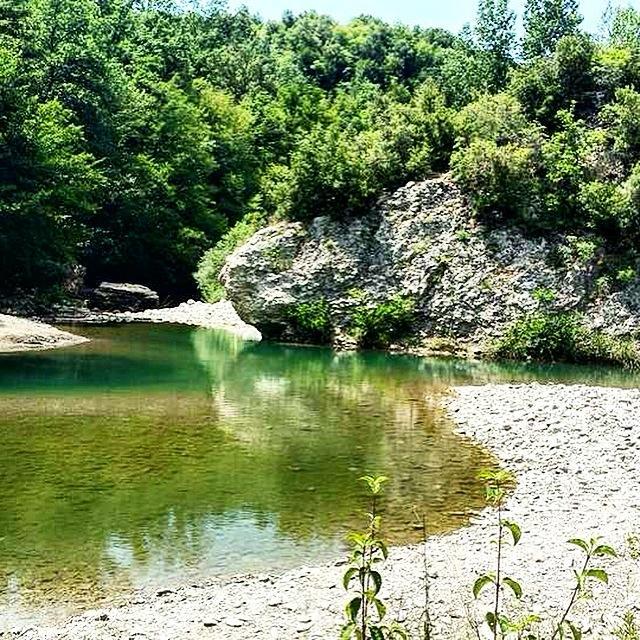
point(546, 22)
point(496, 35)
point(623, 27)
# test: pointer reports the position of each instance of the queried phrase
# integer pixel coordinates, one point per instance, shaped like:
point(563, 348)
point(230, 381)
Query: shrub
point(497, 118)
point(379, 325)
point(544, 295)
point(311, 321)
point(207, 275)
point(502, 181)
point(605, 206)
point(626, 275)
point(553, 337)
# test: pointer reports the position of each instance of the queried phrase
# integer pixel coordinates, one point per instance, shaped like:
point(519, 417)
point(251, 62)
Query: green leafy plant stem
point(496, 608)
point(572, 599)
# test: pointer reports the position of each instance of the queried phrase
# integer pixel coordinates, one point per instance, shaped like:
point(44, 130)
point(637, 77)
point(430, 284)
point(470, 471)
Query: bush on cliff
point(208, 274)
point(563, 337)
point(311, 321)
point(377, 326)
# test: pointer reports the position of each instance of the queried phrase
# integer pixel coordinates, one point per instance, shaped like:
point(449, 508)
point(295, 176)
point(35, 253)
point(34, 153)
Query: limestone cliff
point(468, 281)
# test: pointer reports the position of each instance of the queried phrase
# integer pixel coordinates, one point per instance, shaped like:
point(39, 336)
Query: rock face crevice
point(469, 282)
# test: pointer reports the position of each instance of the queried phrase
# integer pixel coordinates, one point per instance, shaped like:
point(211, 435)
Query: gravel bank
point(576, 453)
point(221, 315)
point(18, 334)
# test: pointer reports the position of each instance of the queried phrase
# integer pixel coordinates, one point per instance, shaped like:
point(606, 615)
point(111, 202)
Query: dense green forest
point(138, 134)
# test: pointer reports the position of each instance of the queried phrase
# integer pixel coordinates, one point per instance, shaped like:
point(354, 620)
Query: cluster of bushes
point(371, 325)
point(311, 321)
point(379, 325)
point(563, 337)
point(211, 263)
point(573, 175)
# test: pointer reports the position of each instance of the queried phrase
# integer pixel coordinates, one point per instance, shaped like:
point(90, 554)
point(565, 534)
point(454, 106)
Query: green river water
point(158, 455)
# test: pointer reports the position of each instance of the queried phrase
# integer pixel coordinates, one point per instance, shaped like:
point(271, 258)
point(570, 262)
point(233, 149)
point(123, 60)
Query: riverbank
point(19, 334)
point(221, 315)
point(575, 452)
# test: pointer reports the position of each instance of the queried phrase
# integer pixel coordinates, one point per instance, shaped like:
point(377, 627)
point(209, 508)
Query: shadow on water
point(158, 454)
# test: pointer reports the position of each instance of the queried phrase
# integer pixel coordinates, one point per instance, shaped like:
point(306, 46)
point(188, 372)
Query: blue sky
point(449, 14)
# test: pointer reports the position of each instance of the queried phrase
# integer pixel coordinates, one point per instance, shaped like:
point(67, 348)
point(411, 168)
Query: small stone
point(233, 622)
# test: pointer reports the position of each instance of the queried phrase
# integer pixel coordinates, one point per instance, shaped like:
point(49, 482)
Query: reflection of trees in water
point(336, 416)
point(97, 482)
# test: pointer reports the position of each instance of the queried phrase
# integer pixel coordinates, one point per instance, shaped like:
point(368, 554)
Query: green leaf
point(347, 631)
point(376, 633)
point(377, 581)
point(380, 608)
point(580, 543)
point(374, 483)
point(348, 576)
point(481, 583)
point(575, 631)
point(598, 574)
point(515, 587)
point(516, 532)
point(491, 620)
point(383, 548)
point(352, 609)
point(605, 550)
point(505, 624)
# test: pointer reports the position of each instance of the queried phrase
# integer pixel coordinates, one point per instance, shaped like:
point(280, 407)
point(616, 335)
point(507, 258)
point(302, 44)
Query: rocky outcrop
point(468, 282)
point(115, 296)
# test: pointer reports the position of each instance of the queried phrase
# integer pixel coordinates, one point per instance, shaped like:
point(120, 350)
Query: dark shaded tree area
point(134, 134)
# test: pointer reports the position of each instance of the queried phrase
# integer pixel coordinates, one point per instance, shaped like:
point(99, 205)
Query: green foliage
point(497, 118)
point(497, 483)
point(496, 35)
point(311, 321)
point(546, 22)
point(553, 337)
point(623, 120)
point(501, 180)
point(626, 275)
point(628, 629)
point(623, 27)
point(211, 263)
point(136, 135)
point(544, 295)
point(366, 612)
point(378, 325)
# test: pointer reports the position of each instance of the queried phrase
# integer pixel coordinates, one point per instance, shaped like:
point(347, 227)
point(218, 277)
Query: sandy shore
point(576, 453)
point(18, 334)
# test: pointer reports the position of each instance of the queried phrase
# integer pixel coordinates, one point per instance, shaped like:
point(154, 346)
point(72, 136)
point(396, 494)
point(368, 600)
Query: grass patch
point(563, 337)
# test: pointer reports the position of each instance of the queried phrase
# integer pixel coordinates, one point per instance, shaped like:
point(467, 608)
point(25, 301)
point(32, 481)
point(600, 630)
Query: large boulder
point(423, 242)
point(118, 296)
